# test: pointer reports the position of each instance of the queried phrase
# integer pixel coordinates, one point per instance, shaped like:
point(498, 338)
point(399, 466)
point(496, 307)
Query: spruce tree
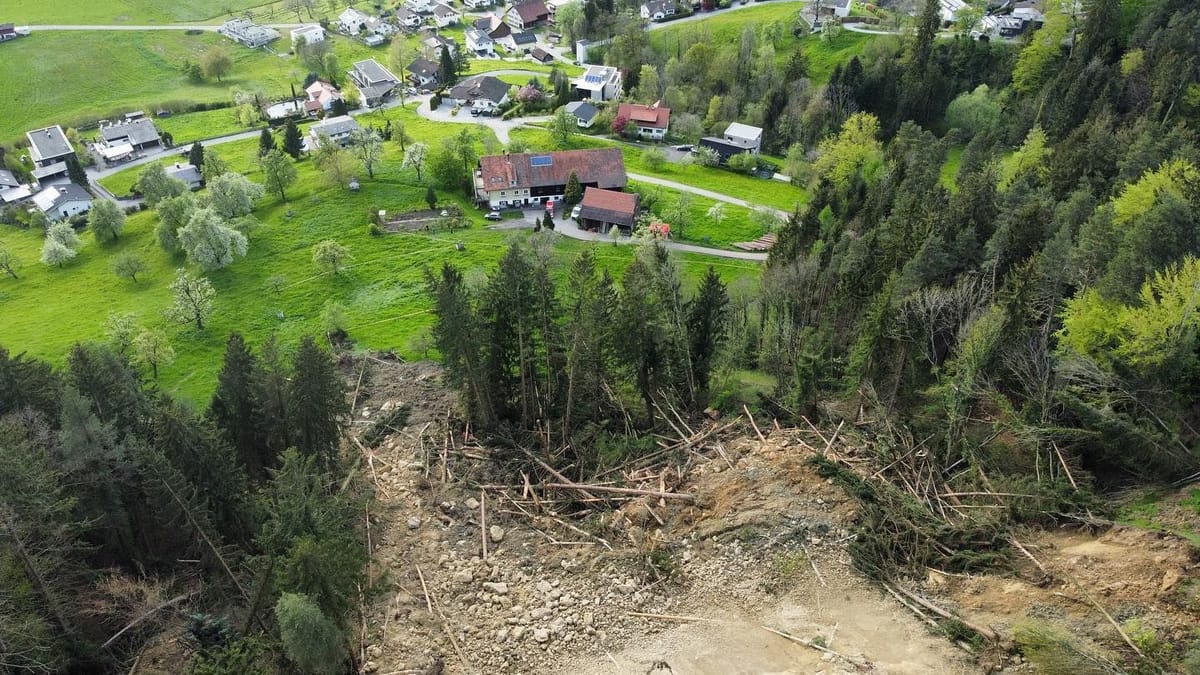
point(430, 197)
point(293, 142)
point(270, 391)
point(75, 171)
point(706, 317)
point(196, 155)
point(316, 400)
point(446, 69)
point(236, 411)
point(573, 194)
point(266, 142)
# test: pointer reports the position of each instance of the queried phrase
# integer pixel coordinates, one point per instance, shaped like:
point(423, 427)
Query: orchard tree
point(400, 135)
point(563, 127)
point(334, 161)
point(155, 185)
point(61, 245)
point(278, 172)
point(216, 62)
point(293, 142)
point(152, 348)
point(106, 219)
point(331, 255)
point(128, 264)
point(209, 242)
point(214, 166)
point(173, 214)
point(9, 262)
point(232, 195)
point(414, 158)
point(368, 147)
point(193, 299)
point(680, 213)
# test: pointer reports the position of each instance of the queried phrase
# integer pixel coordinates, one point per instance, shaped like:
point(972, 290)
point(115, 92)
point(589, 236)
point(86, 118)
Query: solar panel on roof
point(593, 78)
point(544, 160)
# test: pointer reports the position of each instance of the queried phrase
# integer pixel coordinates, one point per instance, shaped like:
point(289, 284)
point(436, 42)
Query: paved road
point(176, 26)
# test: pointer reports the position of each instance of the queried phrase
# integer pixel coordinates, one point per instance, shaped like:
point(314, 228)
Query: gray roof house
point(423, 72)
point(140, 133)
point(63, 201)
point(482, 91)
point(584, 112)
point(338, 129)
point(374, 81)
point(479, 42)
point(186, 173)
point(48, 146)
point(247, 32)
point(8, 180)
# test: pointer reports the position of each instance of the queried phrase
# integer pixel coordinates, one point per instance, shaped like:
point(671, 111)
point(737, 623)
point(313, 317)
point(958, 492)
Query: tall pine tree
point(236, 410)
point(706, 316)
point(317, 398)
point(293, 142)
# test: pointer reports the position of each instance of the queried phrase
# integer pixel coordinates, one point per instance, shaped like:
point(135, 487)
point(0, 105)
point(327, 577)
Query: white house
point(423, 73)
point(599, 83)
point(444, 15)
point(479, 43)
point(321, 96)
point(482, 92)
point(408, 19)
point(657, 10)
point(840, 8)
point(477, 4)
point(374, 82)
point(420, 6)
point(311, 34)
point(352, 22)
point(49, 149)
point(337, 129)
point(748, 138)
point(63, 201)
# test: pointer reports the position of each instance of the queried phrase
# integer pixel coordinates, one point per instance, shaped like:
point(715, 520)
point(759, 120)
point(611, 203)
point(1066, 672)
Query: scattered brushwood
point(1053, 652)
point(387, 422)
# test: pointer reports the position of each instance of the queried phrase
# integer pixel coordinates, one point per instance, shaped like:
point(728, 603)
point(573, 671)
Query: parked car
point(685, 148)
point(444, 213)
point(493, 215)
point(475, 112)
point(575, 211)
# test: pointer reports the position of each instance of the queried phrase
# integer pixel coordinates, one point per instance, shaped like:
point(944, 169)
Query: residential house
point(138, 132)
point(63, 201)
point(434, 43)
point(8, 180)
point(598, 83)
point(529, 14)
point(651, 121)
point(658, 10)
point(523, 41)
point(605, 209)
point(480, 43)
point(7, 32)
point(248, 33)
point(525, 178)
point(374, 82)
point(496, 29)
point(352, 22)
point(477, 4)
point(541, 55)
point(585, 113)
point(408, 19)
point(482, 92)
point(311, 35)
point(837, 8)
point(444, 15)
point(949, 10)
point(744, 136)
point(424, 73)
point(420, 6)
point(49, 149)
point(321, 96)
point(337, 129)
point(15, 195)
point(186, 173)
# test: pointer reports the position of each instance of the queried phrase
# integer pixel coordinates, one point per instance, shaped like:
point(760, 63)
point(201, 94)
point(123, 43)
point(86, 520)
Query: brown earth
point(692, 587)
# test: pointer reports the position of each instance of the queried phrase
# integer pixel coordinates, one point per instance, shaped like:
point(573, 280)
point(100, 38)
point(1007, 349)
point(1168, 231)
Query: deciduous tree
point(9, 262)
point(216, 62)
point(155, 185)
point(153, 348)
point(209, 242)
point(106, 219)
point(232, 195)
point(278, 172)
point(563, 127)
point(368, 147)
point(192, 299)
point(128, 264)
point(414, 158)
point(330, 255)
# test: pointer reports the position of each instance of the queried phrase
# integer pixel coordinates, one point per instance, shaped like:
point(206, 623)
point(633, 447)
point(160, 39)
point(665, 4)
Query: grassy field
point(132, 12)
point(201, 125)
point(726, 28)
point(736, 224)
point(382, 291)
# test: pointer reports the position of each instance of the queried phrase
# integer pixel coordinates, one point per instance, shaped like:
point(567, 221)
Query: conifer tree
point(446, 69)
point(235, 409)
point(266, 142)
point(706, 318)
point(293, 142)
point(196, 155)
point(271, 378)
point(573, 193)
point(316, 400)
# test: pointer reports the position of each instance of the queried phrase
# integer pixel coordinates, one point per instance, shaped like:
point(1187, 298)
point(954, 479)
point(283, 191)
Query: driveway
point(499, 126)
point(569, 228)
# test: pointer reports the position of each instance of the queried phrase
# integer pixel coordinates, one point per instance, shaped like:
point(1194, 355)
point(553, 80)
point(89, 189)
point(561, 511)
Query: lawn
point(949, 172)
point(382, 291)
point(201, 125)
point(736, 224)
point(70, 78)
point(130, 12)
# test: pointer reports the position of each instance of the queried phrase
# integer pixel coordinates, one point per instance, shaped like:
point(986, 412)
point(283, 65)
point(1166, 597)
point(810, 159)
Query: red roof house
point(651, 121)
